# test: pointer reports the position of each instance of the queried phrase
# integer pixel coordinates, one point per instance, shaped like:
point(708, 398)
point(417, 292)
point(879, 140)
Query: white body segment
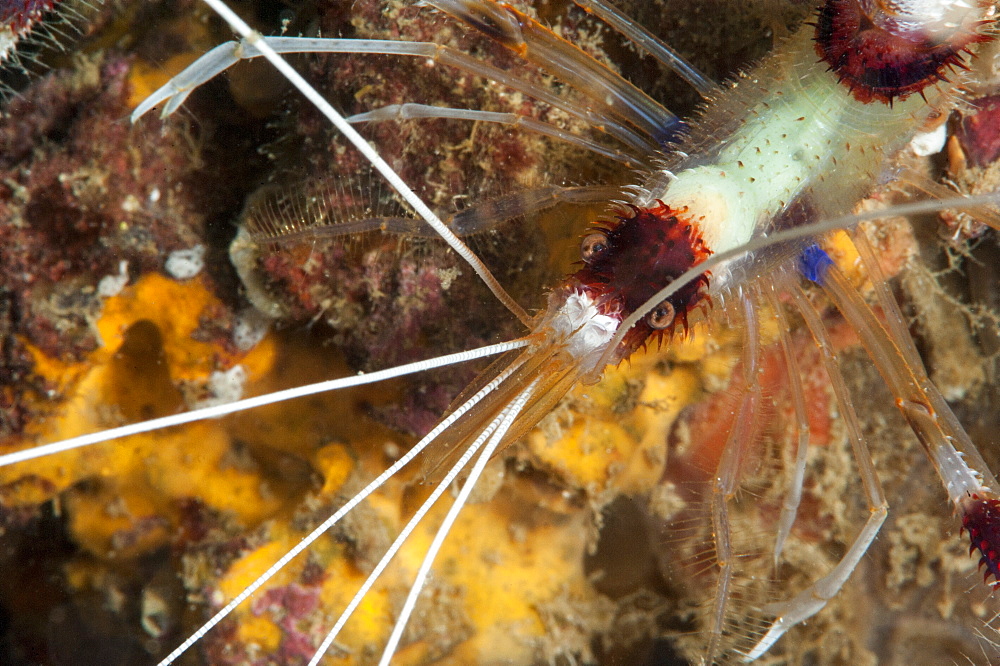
point(795, 135)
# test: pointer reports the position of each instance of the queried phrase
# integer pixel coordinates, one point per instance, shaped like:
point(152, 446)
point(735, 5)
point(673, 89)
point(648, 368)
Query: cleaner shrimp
point(724, 539)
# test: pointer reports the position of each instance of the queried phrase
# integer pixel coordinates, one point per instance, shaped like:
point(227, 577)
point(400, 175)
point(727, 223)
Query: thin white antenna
point(349, 506)
point(509, 415)
point(257, 401)
point(405, 533)
point(257, 41)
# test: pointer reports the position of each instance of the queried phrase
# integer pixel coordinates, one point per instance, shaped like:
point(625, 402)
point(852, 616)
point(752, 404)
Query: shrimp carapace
point(625, 261)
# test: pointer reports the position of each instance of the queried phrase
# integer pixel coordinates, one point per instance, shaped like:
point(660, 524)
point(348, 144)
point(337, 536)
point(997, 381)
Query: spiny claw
point(981, 517)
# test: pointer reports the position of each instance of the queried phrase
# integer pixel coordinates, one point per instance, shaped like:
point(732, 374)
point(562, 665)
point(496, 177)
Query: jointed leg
point(741, 437)
point(811, 600)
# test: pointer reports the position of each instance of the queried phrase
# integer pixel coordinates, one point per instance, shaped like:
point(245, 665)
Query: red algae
point(73, 177)
point(979, 131)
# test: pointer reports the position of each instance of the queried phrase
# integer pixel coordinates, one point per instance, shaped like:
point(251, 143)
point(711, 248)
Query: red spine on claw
point(981, 519)
point(881, 57)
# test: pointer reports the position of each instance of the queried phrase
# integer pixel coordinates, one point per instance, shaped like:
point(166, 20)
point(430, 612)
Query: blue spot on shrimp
point(563, 499)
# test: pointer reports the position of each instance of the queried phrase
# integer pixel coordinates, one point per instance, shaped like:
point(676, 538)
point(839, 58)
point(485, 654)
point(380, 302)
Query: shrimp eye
point(593, 245)
point(661, 316)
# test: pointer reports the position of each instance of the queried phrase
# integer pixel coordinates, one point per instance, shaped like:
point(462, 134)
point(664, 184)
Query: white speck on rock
point(250, 328)
point(224, 386)
point(930, 143)
point(448, 276)
point(131, 204)
point(185, 264)
point(112, 285)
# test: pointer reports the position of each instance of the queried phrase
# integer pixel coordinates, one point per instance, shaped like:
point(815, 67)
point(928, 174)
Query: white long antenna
point(509, 415)
point(257, 41)
point(349, 506)
point(407, 530)
point(258, 401)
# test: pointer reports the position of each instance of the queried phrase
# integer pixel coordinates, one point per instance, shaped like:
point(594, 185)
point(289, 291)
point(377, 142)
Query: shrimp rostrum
point(738, 225)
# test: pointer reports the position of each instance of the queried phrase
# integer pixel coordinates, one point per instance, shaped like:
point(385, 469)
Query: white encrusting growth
point(250, 328)
point(185, 264)
point(224, 386)
point(112, 285)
